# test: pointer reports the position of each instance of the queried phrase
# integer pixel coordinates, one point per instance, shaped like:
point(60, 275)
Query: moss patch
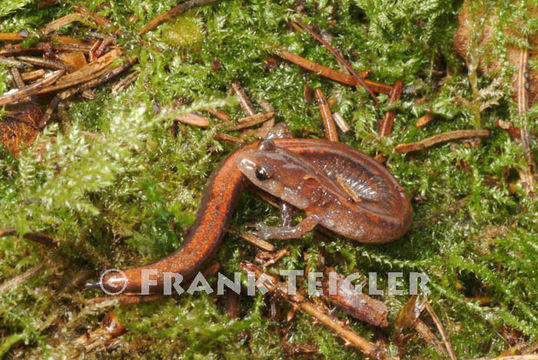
point(112, 202)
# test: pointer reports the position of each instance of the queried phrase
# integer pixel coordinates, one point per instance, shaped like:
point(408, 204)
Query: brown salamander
point(337, 186)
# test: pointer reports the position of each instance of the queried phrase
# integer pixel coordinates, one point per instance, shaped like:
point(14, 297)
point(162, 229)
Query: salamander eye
point(263, 173)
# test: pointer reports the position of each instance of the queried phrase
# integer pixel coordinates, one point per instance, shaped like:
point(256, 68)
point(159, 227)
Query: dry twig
point(332, 74)
point(251, 121)
point(12, 97)
point(436, 139)
point(172, 13)
point(340, 58)
point(244, 101)
point(298, 301)
point(17, 280)
point(328, 121)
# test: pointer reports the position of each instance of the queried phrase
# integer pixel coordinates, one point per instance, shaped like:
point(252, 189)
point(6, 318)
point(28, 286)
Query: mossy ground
point(112, 202)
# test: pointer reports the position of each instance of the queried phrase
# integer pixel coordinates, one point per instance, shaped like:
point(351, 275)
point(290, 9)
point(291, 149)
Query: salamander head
point(279, 172)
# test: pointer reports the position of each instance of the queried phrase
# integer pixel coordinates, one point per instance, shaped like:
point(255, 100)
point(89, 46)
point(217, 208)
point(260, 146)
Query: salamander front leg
point(286, 213)
point(287, 232)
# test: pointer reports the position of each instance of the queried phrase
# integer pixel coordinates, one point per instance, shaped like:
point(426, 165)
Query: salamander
point(337, 187)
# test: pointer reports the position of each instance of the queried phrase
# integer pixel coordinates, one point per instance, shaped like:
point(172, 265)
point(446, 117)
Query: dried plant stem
point(441, 330)
point(59, 23)
point(228, 138)
point(33, 236)
point(385, 128)
point(332, 74)
point(256, 241)
point(172, 13)
point(33, 75)
point(340, 58)
point(11, 37)
point(16, 96)
point(341, 122)
point(8, 285)
point(126, 81)
point(436, 139)
point(328, 121)
point(251, 121)
point(244, 101)
point(51, 64)
point(527, 177)
point(298, 301)
point(17, 78)
point(14, 63)
point(219, 114)
point(192, 119)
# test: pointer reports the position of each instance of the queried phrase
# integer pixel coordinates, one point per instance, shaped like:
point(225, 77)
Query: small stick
point(256, 241)
point(83, 12)
point(51, 64)
point(102, 46)
point(386, 125)
point(424, 120)
point(436, 139)
point(93, 50)
point(341, 122)
point(11, 37)
point(85, 74)
point(17, 280)
point(353, 302)
point(12, 97)
point(328, 121)
point(44, 119)
point(297, 300)
point(126, 81)
point(228, 138)
point(244, 101)
point(14, 63)
point(268, 125)
point(59, 23)
point(332, 74)
point(192, 119)
point(17, 78)
point(251, 121)
point(33, 75)
point(439, 325)
point(13, 49)
point(307, 94)
point(219, 114)
point(104, 78)
point(33, 236)
point(69, 40)
point(527, 177)
point(340, 58)
point(172, 13)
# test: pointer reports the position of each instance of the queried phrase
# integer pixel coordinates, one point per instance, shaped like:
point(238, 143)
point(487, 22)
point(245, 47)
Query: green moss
point(124, 197)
